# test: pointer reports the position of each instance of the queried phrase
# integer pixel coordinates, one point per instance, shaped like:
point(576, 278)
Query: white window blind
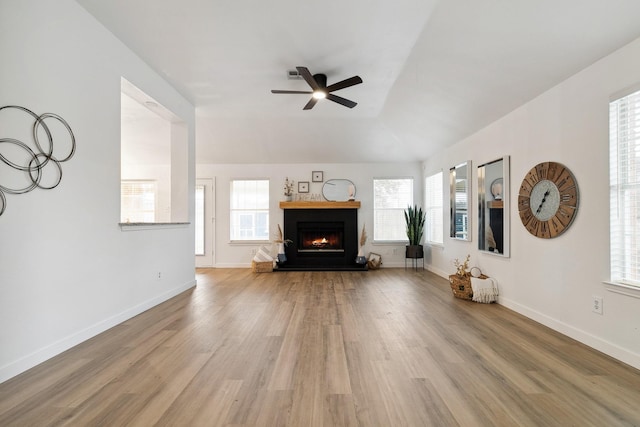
point(138, 201)
point(390, 199)
point(434, 226)
point(249, 210)
point(624, 159)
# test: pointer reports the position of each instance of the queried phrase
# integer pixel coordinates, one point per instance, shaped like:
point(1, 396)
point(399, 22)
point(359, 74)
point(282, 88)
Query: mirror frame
point(338, 190)
point(487, 202)
point(453, 201)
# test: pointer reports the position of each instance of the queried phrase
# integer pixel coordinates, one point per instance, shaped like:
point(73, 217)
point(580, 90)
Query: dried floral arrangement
point(462, 269)
point(288, 187)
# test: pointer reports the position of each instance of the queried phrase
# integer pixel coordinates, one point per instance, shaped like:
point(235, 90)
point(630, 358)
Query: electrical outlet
point(254, 251)
point(159, 275)
point(596, 306)
point(394, 251)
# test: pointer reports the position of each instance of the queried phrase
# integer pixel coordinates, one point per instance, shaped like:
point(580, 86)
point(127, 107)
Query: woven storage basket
point(262, 267)
point(461, 286)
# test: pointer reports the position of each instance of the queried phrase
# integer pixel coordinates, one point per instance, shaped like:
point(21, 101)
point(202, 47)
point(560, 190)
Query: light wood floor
point(379, 348)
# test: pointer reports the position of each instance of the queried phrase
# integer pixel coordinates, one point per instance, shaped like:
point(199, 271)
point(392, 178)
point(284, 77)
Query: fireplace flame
point(322, 242)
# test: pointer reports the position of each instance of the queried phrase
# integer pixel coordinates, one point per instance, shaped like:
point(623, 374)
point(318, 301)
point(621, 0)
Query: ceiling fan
point(318, 83)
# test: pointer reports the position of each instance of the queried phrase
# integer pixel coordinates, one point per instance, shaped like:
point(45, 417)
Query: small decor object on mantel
point(317, 176)
point(288, 189)
point(303, 187)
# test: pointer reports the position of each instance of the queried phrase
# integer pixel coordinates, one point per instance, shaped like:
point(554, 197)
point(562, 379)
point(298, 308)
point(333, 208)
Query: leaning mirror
point(460, 201)
point(493, 207)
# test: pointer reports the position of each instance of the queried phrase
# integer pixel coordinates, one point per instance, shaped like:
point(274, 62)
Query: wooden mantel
point(320, 205)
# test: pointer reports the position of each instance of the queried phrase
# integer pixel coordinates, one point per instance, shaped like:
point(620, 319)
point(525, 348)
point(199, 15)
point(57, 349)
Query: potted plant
point(414, 218)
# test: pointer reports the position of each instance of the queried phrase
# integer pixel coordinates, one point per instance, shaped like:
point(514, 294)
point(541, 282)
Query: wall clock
point(548, 200)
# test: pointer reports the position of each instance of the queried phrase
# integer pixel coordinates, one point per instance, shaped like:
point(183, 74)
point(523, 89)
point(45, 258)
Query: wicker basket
point(262, 267)
point(461, 286)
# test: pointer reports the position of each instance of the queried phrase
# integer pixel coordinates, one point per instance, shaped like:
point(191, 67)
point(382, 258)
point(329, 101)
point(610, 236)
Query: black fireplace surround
point(321, 239)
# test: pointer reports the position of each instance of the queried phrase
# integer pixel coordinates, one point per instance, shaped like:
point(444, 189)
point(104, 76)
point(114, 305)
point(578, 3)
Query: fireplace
point(321, 239)
point(316, 237)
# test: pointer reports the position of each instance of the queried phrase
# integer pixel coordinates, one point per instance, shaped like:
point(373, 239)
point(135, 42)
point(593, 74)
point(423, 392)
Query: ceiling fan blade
point(310, 104)
point(351, 81)
point(341, 101)
point(306, 75)
point(291, 91)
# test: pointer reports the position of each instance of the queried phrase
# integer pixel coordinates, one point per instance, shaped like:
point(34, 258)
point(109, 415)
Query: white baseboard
point(586, 338)
point(29, 361)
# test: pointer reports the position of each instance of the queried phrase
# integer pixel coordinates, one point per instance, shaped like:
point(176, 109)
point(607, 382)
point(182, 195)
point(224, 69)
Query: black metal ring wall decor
point(37, 159)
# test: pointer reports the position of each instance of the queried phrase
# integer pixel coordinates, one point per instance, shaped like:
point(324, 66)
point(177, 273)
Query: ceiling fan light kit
point(320, 90)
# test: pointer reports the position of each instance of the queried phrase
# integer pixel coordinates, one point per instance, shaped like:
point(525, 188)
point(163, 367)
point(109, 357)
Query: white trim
point(586, 338)
point(621, 288)
point(139, 226)
point(29, 361)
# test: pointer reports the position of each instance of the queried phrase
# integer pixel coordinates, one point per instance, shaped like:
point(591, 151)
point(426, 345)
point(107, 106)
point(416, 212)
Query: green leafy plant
point(414, 218)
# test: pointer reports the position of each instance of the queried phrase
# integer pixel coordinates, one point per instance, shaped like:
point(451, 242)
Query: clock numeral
point(569, 197)
point(565, 214)
point(525, 216)
point(533, 225)
point(523, 203)
point(555, 227)
point(544, 230)
point(565, 181)
point(542, 170)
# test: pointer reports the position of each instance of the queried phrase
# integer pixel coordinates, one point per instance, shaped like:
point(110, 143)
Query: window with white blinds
point(138, 201)
point(433, 203)
point(249, 210)
point(390, 199)
point(624, 159)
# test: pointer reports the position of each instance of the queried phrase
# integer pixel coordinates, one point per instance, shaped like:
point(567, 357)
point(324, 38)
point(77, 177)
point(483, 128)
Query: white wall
point(67, 271)
point(553, 281)
point(361, 174)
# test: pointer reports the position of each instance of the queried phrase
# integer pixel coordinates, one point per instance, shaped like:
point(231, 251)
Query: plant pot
point(414, 251)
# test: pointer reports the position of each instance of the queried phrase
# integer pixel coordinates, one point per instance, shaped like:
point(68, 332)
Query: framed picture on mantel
point(316, 176)
point(303, 186)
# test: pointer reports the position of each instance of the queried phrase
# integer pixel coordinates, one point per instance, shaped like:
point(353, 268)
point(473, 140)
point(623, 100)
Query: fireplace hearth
point(321, 239)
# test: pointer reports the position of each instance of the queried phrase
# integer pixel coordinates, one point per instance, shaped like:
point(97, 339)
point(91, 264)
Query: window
point(624, 159)
point(433, 225)
point(249, 210)
point(390, 199)
point(138, 201)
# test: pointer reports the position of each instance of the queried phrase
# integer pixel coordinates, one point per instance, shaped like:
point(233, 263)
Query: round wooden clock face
point(548, 200)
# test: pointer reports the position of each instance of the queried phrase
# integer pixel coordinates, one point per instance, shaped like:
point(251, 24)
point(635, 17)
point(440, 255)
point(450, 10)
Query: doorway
point(205, 222)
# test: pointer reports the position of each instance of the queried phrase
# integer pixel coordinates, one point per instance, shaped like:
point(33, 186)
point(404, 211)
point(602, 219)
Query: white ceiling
point(434, 71)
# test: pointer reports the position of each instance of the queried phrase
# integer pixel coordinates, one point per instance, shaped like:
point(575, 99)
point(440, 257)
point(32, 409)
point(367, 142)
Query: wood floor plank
point(389, 347)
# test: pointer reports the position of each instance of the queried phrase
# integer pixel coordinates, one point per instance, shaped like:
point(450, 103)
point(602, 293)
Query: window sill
point(621, 288)
point(139, 226)
point(249, 242)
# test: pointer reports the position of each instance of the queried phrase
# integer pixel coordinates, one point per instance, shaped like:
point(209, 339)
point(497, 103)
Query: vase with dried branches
point(361, 259)
point(281, 242)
